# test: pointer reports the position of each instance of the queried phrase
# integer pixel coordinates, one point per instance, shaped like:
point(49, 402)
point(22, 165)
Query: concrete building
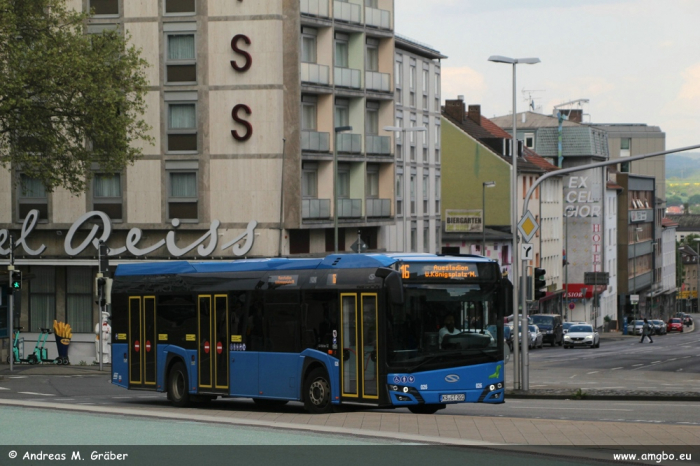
point(690, 284)
point(636, 237)
point(243, 100)
point(418, 165)
point(668, 268)
point(476, 151)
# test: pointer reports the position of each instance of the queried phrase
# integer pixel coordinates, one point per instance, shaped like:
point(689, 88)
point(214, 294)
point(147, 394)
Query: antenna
point(530, 99)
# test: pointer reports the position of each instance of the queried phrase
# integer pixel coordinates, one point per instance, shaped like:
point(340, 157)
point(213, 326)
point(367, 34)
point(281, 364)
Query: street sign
point(526, 252)
point(572, 306)
point(362, 246)
point(596, 278)
point(634, 298)
point(528, 226)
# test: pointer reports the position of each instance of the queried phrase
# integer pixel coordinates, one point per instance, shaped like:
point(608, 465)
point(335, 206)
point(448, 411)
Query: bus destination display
point(440, 271)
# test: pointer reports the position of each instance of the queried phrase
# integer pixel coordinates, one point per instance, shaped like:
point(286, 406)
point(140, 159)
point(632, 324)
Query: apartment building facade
point(243, 100)
point(418, 165)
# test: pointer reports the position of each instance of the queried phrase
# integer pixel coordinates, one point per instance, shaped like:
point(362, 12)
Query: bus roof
point(334, 261)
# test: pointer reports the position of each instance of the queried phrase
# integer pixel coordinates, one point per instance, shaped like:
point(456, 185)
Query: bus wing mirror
point(394, 287)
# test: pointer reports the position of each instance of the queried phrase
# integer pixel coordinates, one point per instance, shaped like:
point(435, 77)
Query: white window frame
point(107, 15)
point(184, 62)
point(183, 131)
point(96, 201)
point(22, 199)
point(182, 200)
point(183, 13)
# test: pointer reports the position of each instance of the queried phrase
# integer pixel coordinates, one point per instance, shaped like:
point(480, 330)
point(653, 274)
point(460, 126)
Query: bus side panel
point(332, 367)
point(279, 373)
point(244, 373)
point(120, 365)
point(162, 357)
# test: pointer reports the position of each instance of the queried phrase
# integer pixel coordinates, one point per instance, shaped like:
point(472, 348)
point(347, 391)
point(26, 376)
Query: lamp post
point(514, 224)
point(484, 185)
point(584, 290)
point(697, 275)
point(337, 129)
point(404, 147)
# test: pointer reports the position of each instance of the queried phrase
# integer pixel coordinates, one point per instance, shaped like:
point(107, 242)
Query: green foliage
point(67, 99)
point(674, 201)
point(580, 394)
point(694, 199)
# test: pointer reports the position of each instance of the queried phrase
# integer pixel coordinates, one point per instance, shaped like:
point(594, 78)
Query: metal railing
point(378, 81)
point(347, 77)
point(349, 208)
point(349, 143)
point(378, 18)
point(315, 8)
point(315, 208)
point(378, 145)
point(349, 12)
point(378, 207)
point(315, 74)
point(315, 142)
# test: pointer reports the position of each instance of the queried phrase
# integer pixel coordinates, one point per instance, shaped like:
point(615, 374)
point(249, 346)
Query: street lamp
point(634, 269)
point(337, 129)
point(404, 146)
point(514, 224)
point(485, 184)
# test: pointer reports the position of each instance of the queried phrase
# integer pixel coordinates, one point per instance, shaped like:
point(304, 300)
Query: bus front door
point(212, 343)
point(358, 339)
point(142, 341)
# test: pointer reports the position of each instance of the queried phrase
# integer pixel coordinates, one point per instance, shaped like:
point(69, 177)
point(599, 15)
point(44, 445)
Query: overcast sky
point(637, 61)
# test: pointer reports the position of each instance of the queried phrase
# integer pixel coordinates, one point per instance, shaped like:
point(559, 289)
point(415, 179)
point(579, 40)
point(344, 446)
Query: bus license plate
point(459, 397)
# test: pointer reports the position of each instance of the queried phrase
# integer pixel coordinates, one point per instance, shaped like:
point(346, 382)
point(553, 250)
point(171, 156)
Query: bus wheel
point(425, 409)
point(178, 393)
point(317, 392)
point(265, 403)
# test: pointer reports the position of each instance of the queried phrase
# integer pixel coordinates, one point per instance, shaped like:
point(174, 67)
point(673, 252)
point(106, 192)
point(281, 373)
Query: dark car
point(659, 327)
point(551, 327)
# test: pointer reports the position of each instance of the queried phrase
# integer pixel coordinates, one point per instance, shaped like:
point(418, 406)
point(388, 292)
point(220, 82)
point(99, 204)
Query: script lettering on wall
point(238, 119)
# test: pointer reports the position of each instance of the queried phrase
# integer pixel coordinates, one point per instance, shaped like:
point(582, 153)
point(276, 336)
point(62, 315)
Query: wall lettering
point(239, 120)
point(248, 58)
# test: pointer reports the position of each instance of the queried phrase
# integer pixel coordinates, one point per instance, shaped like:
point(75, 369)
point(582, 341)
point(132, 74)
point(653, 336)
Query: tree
point(694, 199)
point(68, 99)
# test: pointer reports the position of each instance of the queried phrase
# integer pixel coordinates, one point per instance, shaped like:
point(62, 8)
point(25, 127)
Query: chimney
point(455, 109)
point(475, 114)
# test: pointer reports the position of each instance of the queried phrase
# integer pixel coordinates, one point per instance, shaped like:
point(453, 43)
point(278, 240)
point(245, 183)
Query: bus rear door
point(359, 373)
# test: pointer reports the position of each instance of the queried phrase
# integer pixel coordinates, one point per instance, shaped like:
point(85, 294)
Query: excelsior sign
point(132, 238)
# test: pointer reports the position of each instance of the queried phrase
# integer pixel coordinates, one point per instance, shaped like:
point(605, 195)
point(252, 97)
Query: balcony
point(348, 12)
point(378, 207)
point(378, 145)
point(315, 74)
point(378, 18)
point(315, 208)
point(349, 208)
point(349, 143)
point(378, 81)
point(347, 77)
point(315, 8)
point(314, 141)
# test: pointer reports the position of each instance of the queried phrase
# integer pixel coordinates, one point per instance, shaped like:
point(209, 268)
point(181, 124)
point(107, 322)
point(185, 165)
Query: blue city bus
point(418, 331)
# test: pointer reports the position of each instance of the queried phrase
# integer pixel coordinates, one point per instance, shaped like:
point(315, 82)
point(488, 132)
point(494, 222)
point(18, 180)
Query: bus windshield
point(441, 327)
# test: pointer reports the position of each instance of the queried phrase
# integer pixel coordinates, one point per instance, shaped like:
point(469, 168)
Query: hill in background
point(683, 180)
point(685, 166)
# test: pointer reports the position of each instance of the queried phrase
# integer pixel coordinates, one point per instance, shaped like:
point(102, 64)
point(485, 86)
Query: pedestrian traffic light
point(540, 283)
point(16, 280)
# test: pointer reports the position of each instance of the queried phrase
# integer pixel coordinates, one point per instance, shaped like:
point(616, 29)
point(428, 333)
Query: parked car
point(551, 327)
point(536, 338)
point(581, 335)
point(565, 326)
point(659, 327)
point(675, 324)
point(637, 327)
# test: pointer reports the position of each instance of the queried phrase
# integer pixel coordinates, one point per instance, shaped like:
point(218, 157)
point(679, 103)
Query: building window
point(398, 78)
point(426, 187)
point(104, 8)
point(308, 113)
point(437, 92)
point(437, 195)
point(372, 118)
point(181, 63)
point(530, 140)
point(372, 182)
point(426, 75)
point(32, 195)
point(413, 194)
point(372, 55)
point(341, 50)
point(414, 239)
point(107, 194)
point(399, 195)
point(42, 298)
point(182, 195)
point(399, 139)
point(308, 45)
point(343, 181)
point(309, 181)
point(179, 6)
point(79, 299)
point(426, 239)
point(182, 127)
point(371, 3)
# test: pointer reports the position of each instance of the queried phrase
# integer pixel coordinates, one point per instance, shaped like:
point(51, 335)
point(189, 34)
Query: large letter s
point(248, 58)
point(237, 119)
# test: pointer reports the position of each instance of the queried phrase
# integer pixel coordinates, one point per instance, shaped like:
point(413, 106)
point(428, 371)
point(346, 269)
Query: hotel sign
point(464, 221)
point(100, 221)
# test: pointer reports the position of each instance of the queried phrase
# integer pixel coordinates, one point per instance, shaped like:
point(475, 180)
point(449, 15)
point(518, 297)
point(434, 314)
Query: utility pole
point(103, 264)
point(11, 301)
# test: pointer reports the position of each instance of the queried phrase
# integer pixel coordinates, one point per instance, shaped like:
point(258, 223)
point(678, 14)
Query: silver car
point(637, 327)
point(581, 335)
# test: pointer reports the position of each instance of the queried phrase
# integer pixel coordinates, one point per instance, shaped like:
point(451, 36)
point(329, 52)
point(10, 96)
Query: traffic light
point(540, 283)
point(16, 280)
point(103, 257)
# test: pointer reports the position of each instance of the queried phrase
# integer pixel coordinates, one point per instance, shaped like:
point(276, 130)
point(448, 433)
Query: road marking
point(121, 397)
point(64, 399)
point(615, 368)
point(594, 372)
point(549, 407)
point(637, 365)
point(572, 376)
point(3, 388)
point(656, 362)
point(668, 360)
point(18, 377)
point(86, 403)
point(646, 388)
point(35, 393)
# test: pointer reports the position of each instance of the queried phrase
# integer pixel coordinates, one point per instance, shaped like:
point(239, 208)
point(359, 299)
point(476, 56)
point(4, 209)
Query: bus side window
point(258, 326)
point(238, 314)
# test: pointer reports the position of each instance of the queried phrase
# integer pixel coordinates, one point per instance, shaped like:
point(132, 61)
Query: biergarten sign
point(133, 237)
point(463, 221)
